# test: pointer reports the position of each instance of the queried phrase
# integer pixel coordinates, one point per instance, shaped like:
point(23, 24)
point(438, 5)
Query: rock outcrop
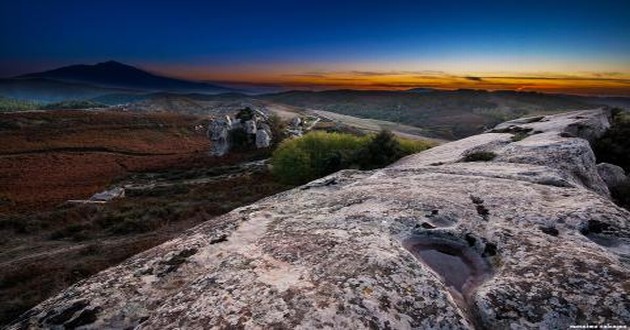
point(256, 129)
point(612, 175)
point(528, 239)
point(108, 195)
point(263, 139)
point(219, 134)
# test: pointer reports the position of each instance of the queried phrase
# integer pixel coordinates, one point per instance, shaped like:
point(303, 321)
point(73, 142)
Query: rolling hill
point(113, 74)
point(91, 81)
point(47, 91)
point(447, 114)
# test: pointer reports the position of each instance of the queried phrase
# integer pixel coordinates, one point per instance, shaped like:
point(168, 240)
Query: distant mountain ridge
point(112, 74)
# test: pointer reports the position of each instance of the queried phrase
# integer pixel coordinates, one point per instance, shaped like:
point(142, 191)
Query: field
point(47, 158)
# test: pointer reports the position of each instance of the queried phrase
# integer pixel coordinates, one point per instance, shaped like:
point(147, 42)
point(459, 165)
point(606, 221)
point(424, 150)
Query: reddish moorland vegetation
point(47, 158)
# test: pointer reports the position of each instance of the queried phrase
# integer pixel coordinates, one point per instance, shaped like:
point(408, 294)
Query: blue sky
point(220, 39)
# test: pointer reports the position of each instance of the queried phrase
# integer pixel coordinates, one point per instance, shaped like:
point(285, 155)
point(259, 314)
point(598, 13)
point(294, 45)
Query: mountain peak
point(112, 63)
point(119, 75)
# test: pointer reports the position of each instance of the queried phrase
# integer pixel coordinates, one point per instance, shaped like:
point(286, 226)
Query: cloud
point(306, 75)
point(372, 73)
point(362, 73)
point(473, 78)
point(607, 74)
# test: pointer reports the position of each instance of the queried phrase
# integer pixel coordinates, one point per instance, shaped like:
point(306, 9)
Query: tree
point(382, 150)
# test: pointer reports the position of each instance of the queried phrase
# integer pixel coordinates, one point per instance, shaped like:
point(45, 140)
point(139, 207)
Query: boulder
point(523, 240)
point(108, 195)
point(250, 126)
point(264, 126)
point(263, 139)
point(218, 133)
point(612, 175)
point(295, 122)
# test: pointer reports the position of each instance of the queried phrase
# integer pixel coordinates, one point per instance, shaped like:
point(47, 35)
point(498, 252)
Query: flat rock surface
point(533, 232)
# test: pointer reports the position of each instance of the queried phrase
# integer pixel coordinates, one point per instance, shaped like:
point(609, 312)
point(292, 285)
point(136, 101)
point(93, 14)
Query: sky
point(551, 46)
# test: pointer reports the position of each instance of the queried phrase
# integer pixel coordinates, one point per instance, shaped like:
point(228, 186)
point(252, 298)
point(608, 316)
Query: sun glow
point(588, 83)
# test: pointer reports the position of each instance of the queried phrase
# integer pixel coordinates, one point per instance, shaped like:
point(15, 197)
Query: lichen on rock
point(549, 247)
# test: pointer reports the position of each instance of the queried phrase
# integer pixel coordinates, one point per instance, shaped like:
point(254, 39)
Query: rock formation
point(528, 239)
point(108, 195)
point(263, 139)
point(218, 133)
point(295, 122)
point(250, 126)
point(296, 127)
point(612, 175)
point(256, 128)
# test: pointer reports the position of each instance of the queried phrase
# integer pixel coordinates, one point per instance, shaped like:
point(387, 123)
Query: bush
point(278, 129)
point(410, 146)
point(314, 155)
point(292, 165)
point(317, 154)
point(614, 146)
point(383, 149)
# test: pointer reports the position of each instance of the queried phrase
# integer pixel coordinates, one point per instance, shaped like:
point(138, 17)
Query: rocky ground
point(509, 229)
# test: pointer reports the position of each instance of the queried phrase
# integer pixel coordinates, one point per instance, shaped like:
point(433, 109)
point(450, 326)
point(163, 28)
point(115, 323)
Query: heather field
point(47, 158)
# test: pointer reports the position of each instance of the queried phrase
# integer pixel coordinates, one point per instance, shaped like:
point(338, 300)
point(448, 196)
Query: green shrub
point(317, 154)
point(313, 155)
point(381, 150)
point(410, 146)
point(278, 129)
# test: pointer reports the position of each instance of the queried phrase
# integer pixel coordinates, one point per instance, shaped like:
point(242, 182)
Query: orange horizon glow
point(611, 83)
